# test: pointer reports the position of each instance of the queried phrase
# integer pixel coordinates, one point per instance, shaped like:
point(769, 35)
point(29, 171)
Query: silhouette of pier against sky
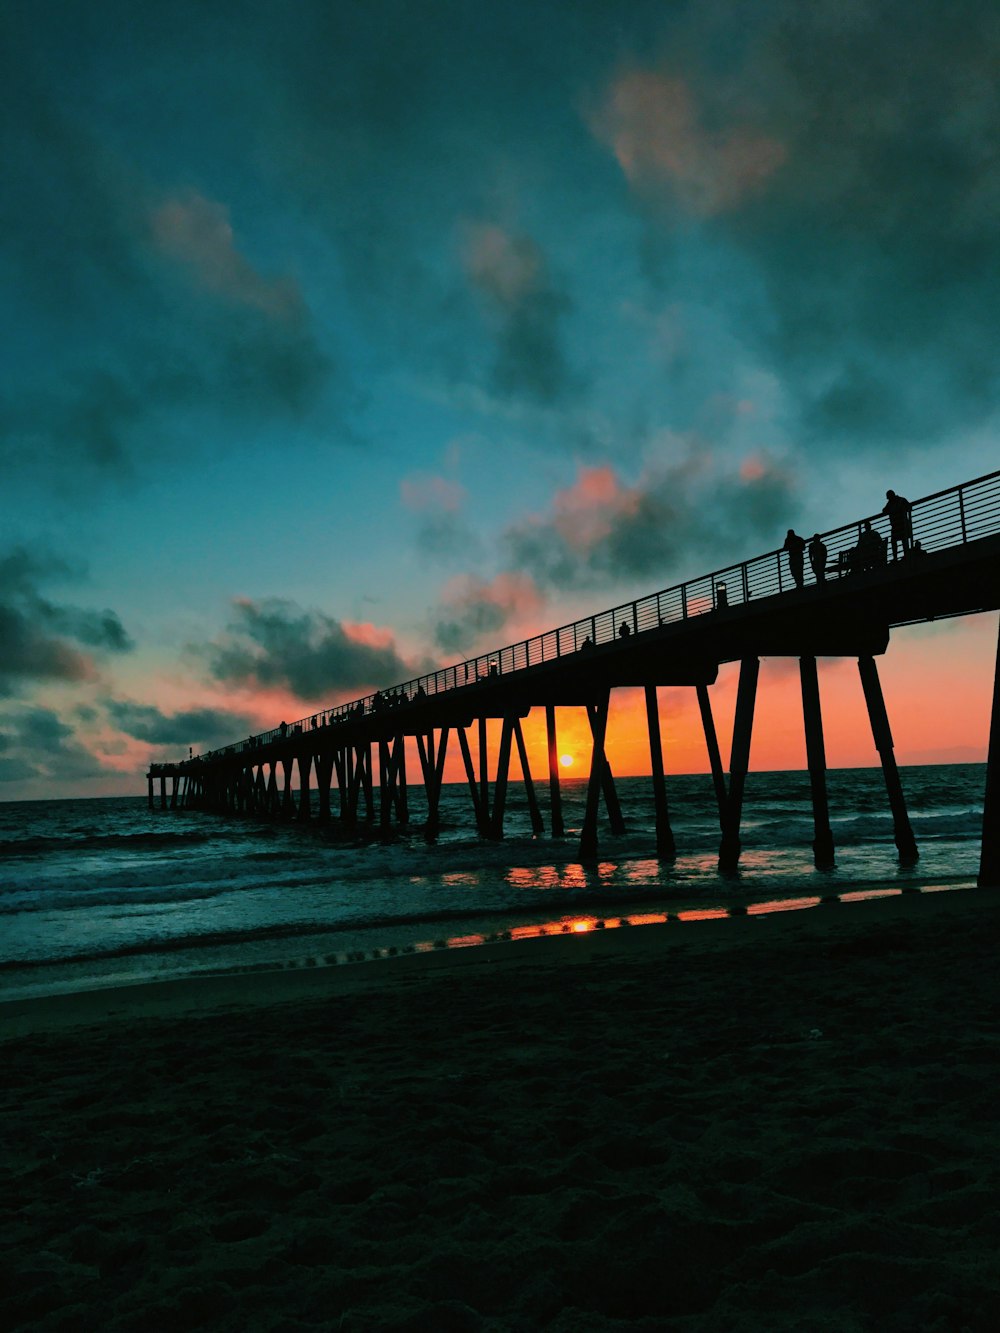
point(676, 637)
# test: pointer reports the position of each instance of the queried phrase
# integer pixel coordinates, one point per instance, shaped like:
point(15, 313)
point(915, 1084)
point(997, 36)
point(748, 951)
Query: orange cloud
point(368, 634)
point(584, 513)
point(653, 127)
point(515, 594)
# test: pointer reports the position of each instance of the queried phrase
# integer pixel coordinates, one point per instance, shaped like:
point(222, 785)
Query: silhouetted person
point(623, 630)
point(587, 644)
point(283, 728)
point(917, 549)
point(871, 548)
point(817, 558)
point(898, 508)
point(796, 547)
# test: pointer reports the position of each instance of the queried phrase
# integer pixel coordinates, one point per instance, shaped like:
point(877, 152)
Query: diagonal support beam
point(608, 787)
point(712, 745)
point(746, 696)
point(902, 832)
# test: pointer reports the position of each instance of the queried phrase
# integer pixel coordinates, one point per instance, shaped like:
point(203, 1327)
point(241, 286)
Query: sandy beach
point(780, 1122)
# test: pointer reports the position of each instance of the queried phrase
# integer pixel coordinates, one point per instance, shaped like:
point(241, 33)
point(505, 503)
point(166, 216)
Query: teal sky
point(345, 338)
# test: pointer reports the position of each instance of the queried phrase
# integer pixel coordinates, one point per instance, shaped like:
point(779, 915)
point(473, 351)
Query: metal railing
point(945, 519)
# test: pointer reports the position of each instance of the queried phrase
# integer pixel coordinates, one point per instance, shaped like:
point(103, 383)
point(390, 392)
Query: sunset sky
point(347, 339)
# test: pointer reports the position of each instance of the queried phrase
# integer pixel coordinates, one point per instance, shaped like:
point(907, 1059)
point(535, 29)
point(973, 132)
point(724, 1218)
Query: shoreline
point(260, 986)
point(291, 946)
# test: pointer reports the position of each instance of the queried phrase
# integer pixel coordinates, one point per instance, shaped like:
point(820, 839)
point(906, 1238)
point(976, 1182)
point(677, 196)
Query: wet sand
point(760, 1123)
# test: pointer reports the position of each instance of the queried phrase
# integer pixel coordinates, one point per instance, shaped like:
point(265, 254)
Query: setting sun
point(566, 760)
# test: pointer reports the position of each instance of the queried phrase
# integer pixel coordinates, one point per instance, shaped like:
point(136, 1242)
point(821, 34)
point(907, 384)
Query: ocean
point(107, 892)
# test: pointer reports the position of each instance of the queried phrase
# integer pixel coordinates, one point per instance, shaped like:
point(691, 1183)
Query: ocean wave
point(40, 845)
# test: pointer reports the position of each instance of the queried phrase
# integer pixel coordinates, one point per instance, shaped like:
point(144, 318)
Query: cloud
point(473, 608)
point(442, 532)
point(273, 642)
point(600, 531)
point(525, 307)
point(654, 128)
point(840, 161)
point(38, 744)
point(197, 233)
point(40, 639)
point(191, 726)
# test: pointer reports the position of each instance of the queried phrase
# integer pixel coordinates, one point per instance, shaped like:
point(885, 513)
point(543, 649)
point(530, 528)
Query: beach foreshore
point(758, 1122)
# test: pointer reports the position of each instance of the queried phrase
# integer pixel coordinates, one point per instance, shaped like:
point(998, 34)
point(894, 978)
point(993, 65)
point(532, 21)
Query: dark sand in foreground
point(784, 1122)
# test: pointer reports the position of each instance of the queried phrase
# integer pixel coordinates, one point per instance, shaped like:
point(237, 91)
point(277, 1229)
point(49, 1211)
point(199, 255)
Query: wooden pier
point(676, 637)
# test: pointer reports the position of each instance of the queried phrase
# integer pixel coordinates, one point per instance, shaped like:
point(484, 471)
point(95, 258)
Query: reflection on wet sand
point(585, 924)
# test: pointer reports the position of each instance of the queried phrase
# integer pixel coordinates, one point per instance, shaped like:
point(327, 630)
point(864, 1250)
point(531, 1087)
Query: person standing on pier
point(817, 558)
point(898, 510)
point(796, 548)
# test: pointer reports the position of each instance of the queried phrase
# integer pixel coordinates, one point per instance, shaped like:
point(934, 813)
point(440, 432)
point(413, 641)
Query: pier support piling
point(484, 775)
point(503, 770)
point(712, 745)
point(555, 792)
point(989, 856)
point(816, 759)
point(739, 764)
point(305, 768)
point(666, 848)
point(612, 804)
point(903, 833)
point(470, 774)
point(598, 715)
point(537, 826)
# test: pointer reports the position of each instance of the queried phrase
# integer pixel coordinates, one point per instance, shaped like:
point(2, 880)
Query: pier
point(677, 637)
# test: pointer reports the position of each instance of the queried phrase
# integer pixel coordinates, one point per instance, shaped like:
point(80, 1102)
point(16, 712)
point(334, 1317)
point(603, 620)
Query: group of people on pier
point(870, 553)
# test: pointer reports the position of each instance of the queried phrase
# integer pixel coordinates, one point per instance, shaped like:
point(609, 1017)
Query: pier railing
point(948, 518)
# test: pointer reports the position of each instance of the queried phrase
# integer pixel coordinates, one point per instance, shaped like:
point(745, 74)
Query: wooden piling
point(666, 848)
point(989, 856)
point(816, 759)
point(555, 792)
point(739, 763)
point(879, 718)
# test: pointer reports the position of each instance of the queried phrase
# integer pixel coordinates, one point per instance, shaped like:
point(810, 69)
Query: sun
point(566, 760)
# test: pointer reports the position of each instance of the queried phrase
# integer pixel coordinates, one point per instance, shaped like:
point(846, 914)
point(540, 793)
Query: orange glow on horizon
point(939, 713)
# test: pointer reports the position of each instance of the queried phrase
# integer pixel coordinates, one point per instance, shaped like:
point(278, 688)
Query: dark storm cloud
point(191, 726)
point(137, 290)
point(409, 142)
point(525, 306)
point(275, 643)
point(37, 743)
point(848, 154)
point(41, 639)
